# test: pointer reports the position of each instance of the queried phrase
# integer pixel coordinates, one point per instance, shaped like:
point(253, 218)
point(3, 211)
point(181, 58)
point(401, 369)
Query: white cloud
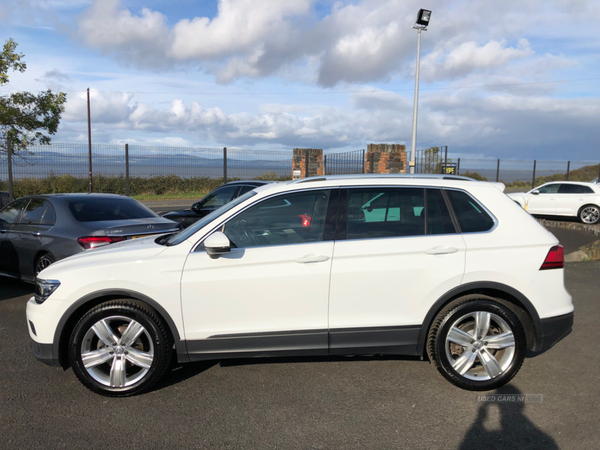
point(470, 57)
point(364, 41)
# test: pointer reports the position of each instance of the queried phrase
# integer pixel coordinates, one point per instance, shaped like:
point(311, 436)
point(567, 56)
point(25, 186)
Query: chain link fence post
point(498, 171)
point(224, 165)
point(127, 192)
point(10, 172)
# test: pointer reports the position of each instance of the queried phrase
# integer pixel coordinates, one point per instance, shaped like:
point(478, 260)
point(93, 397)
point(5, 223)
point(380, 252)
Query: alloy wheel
point(480, 346)
point(117, 351)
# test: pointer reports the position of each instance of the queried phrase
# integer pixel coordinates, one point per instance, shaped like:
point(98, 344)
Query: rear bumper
point(43, 353)
point(553, 330)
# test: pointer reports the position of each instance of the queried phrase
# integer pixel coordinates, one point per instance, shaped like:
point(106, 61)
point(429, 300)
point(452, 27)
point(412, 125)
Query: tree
point(24, 117)
point(432, 160)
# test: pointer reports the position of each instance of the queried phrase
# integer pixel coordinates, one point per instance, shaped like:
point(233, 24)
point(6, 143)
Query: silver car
point(39, 230)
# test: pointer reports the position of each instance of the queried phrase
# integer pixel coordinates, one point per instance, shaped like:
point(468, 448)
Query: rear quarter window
point(470, 215)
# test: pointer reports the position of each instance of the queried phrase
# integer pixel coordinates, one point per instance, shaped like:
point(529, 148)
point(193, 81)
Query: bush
point(156, 185)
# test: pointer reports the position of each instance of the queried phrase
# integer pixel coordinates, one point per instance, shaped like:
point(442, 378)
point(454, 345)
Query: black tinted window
point(11, 212)
point(385, 212)
point(470, 215)
point(438, 216)
point(38, 211)
point(218, 198)
point(574, 189)
point(549, 189)
point(292, 218)
point(244, 189)
point(98, 209)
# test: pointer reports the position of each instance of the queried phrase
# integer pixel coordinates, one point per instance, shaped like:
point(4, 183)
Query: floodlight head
point(423, 17)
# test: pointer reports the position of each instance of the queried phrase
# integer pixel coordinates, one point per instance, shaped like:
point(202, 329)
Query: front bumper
point(44, 353)
point(553, 330)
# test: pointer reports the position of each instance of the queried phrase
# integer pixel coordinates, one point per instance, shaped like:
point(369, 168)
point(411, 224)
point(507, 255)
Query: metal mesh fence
point(352, 162)
point(150, 172)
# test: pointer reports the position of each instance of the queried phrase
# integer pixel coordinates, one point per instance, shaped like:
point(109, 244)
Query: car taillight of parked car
point(98, 241)
point(554, 259)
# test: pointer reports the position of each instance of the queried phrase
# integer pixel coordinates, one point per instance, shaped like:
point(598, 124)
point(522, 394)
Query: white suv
point(447, 268)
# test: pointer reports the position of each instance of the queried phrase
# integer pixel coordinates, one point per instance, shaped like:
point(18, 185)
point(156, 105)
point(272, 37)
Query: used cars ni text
point(448, 269)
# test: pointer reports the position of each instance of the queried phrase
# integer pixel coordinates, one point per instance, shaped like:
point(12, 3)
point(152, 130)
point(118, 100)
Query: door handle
point(37, 233)
point(312, 259)
point(441, 250)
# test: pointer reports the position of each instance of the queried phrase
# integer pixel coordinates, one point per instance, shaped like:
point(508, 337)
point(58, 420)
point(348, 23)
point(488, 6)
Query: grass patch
point(185, 196)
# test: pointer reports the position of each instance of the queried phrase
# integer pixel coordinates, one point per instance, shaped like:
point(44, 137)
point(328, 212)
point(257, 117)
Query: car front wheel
point(120, 348)
point(589, 214)
point(477, 343)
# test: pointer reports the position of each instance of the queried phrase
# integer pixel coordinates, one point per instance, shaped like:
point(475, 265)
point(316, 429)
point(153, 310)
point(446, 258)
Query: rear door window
point(439, 220)
point(469, 213)
point(385, 212)
point(574, 189)
point(101, 209)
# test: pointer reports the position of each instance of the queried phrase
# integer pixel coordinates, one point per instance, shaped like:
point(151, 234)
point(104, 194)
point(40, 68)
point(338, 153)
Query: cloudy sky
point(501, 79)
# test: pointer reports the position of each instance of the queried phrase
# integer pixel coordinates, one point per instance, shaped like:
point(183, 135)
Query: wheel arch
point(84, 304)
point(506, 295)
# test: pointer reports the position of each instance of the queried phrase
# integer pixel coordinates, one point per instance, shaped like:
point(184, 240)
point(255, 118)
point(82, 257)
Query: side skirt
point(348, 341)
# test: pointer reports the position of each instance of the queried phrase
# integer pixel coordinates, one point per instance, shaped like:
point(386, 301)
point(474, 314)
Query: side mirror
point(196, 207)
point(535, 192)
point(217, 244)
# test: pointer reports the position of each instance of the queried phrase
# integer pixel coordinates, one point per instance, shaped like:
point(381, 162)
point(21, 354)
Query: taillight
point(98, 241)
point(555, 258)
point(305, 220)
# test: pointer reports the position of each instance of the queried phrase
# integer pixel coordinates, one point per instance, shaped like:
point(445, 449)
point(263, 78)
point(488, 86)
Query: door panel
point(392, 281)
point(256, 290)
point(392, 267)
point(270, 292)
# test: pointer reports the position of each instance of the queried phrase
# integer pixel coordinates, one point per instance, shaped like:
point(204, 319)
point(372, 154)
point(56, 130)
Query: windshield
point(182, 236)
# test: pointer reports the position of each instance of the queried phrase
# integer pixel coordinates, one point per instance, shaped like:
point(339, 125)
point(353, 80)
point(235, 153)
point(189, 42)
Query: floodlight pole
point(413, 150)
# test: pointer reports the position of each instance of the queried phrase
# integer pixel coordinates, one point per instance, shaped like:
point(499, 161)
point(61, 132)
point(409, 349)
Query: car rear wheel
point(477, 343)
point(43, 261)
point(589, 214)
point(120, 348)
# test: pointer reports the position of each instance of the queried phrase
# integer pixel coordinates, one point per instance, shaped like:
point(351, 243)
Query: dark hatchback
point(213, 201)
point(39, 230)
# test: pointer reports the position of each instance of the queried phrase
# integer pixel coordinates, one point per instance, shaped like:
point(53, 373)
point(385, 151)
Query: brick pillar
point(385, 158)
point(315, 162)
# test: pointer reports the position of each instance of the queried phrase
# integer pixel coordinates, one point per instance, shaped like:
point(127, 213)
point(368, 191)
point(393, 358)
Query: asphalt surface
point(307, 403)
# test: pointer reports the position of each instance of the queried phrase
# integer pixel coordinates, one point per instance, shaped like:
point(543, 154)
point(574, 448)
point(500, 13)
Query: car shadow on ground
point(182, 372)
point(515, 431)
point(11, 288)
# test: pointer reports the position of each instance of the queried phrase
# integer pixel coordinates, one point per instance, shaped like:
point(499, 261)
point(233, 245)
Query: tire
point(120, 348)
point(477, 363)
point(589, 214)
point(42, 262)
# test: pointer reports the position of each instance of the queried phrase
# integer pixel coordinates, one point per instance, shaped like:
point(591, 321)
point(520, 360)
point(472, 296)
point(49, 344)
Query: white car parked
point(448, 268)
point(562, 198)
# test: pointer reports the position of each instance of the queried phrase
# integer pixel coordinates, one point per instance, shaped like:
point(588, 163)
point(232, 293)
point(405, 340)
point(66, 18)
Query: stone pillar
point(314, 163)
point(385, 158)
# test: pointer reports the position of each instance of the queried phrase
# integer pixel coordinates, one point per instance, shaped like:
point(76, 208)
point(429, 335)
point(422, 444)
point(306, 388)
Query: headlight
point(44, 288)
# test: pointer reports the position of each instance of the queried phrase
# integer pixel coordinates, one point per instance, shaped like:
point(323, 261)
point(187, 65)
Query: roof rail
point(435, 176)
